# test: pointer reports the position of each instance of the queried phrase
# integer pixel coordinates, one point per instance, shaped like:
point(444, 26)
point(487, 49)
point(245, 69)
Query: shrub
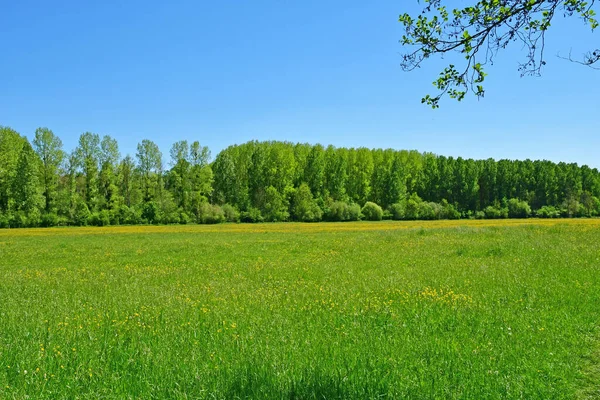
point(398, 211)
point(34, 218)
point(448, 211)
point(372, 211)
point(518, 209)
point(4, 221)
point(62, 221)
point(115, 217)
point(548, 212)
point(210, 214)
point(231, 213)
point(340, 211)
point(184, 218)
point(274, 208)
point(304, 207)
point(48, 220)
point(171, 217)
point(150, 213)
point(81, 214)
point(387, 215)
point(411, 210)
point(428, 211)
point(18, 220)
point(99, 218)
point(252, 215)
point(130, 215)
point(495, 212)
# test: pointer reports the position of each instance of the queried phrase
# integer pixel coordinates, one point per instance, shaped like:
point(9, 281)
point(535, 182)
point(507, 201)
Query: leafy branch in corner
point(478, 32)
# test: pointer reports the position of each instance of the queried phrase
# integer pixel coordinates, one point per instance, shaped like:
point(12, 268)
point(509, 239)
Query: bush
point(448, 211)
point(34, 218)
point(340, 211)
point(231, 213)
point(210, 214)
point(252, 215)
point(304, 206)
point(184, 218)
point(495, 212)
point(63, 221)
point(49, 220)
point(547, 212)
point(171, 217)
point(150, 213)
point(518, 209)
point(115, 217)
point(411, 208)
point(387, 215)
point(428, 211)
point(130, 215)
point(4, 221)
point(80, 214)
point(372, 211)
point(18, 220)
point(398, 211)
point(275, 208)
point(99, 218)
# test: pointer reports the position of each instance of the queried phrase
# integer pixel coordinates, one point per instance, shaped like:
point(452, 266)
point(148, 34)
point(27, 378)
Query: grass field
point(463, 309)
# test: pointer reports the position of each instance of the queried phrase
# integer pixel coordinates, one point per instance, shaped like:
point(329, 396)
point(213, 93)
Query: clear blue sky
point(226, 72)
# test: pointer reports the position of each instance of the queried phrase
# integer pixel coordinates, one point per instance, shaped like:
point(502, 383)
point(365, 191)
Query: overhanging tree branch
point(486, 27)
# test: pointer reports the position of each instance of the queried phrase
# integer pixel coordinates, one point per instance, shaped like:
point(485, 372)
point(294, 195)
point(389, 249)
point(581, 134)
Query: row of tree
point(42, 185)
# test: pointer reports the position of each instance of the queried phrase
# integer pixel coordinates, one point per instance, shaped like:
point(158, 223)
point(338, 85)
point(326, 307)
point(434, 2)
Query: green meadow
point(419, 310)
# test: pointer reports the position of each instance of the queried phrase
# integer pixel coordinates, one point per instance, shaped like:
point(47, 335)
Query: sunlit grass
point(446, 309)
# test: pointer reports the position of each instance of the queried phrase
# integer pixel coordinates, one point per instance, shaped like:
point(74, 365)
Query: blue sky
point(312, 71)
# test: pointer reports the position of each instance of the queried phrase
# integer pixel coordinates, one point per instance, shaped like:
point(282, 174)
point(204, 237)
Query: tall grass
point(419, 310)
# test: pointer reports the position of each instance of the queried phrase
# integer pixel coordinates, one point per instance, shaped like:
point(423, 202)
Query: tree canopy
point(41, 185)
point(478, 32)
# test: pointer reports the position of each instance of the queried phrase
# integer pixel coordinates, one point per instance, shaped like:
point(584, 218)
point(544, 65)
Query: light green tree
point(48, 147)
point(26, 185)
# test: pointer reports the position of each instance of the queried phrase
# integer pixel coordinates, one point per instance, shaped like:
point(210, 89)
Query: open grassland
point(471, 309)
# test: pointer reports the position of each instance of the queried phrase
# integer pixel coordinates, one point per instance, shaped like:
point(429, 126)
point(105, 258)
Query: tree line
point(43, 185)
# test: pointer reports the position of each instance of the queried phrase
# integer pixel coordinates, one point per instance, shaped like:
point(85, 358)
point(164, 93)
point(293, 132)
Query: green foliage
point(495, 212)
point(548, 212)
point(26, 189)
point(274, 206)
point(274, 181)
point(130, 215)
point(477, 32)
point(4, 220)
point(49, 219)
point(341, 211)
point(304, 207)
point(99, 218)
point(413, 207)
point(231, 213)
point(372, 212)
point(81, 213)
point(518, 209)
point(151, 213)
point(252, 215)
point(210, 214)
point(49, 149)
point(398, 211)
point(11, 144)
point(150, 166)
point(87, 156)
